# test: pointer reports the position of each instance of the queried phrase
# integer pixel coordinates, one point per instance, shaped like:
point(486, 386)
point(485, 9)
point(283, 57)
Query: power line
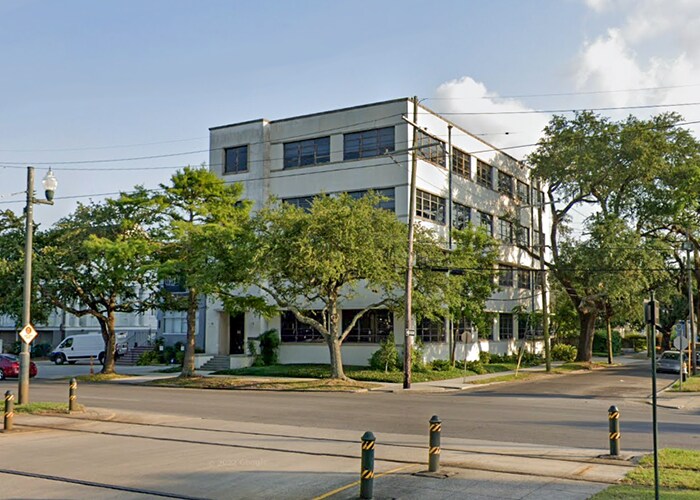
point(89, 148)
point(553, 111)
point(562, 94)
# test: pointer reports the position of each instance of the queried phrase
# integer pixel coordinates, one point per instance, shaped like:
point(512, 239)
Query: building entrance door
point(237, 334)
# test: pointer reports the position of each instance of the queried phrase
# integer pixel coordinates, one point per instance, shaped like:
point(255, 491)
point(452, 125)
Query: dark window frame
point(428, 204)
point(375, 326)
point(506, 232)
point(524, 278)
point(505, 183)
point(236, 165)
point(430, 149)
point(431, 331)
point(297, 153)
point(484, 174)
point(486, 220)
point(368, 143)
point(293, 331)
point(523, 192)
point(461, 163)
point(506, 275)
point(505, 328)
point(461, 215)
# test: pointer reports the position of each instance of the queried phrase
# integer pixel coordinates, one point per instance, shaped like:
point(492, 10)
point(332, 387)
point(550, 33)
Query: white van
point(77, 347)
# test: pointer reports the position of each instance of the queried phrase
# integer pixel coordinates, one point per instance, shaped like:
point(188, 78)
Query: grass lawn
point(360, 373)
point(679, 477)
point(579, 365)
point(692, 384)
point(43, 407)
point(323, 385)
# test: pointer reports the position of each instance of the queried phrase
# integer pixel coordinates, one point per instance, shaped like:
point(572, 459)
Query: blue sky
point(83, 81)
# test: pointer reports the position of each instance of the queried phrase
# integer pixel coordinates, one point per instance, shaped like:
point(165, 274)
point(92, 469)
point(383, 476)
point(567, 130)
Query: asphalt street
point(568, 410)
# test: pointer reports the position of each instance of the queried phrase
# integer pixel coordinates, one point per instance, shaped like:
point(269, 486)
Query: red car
point(9, 366)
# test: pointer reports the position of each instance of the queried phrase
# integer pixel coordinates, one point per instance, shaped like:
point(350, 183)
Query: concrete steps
point(133, 354)
point(218, 362)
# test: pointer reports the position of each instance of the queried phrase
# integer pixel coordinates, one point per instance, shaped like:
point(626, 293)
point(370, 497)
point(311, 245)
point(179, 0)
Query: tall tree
point(97, 262)
point(608, 167)
point(194, 213)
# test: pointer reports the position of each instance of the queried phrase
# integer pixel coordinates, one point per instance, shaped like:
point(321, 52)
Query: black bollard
point(72, 395)
point(9, 411)
point(367, 468)
point(434, 449)
point(614, 427)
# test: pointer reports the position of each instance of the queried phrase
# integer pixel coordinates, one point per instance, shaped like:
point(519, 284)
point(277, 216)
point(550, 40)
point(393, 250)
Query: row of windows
point(507, 277)
point(317, 151)
point(373, 327)
point(388, 203)
point(377, 325)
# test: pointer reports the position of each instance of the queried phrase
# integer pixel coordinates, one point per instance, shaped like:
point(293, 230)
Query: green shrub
point(485, 357)
point(635, 341)
point(564, 352)
point(386, 357)
point(253, 352)
point(473, 366)
point(440, 365)
point(417, 363)
point(600, 342)
point(15, 347)
point(531, 359)
point(269, 347)
point(148, 358)
point(41, 350)
point(504, 358)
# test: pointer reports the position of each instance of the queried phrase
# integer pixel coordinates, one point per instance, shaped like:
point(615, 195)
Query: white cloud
point(465, 95)
point(598, 5)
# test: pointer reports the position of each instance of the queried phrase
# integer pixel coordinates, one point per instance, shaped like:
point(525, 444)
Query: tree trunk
point(610, 342)
point(337, 371)
point(585, 340)
point(110, 344)
point(192, 308)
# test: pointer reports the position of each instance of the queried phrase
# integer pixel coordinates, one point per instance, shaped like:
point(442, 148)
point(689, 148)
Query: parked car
point(669, 361)
point(9, 366)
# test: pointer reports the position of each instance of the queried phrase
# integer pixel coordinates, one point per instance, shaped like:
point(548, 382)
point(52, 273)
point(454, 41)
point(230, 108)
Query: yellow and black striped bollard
point(614, 427)
point(367, 469)
point(9, 411)
point(72, 395)
point(434, 449)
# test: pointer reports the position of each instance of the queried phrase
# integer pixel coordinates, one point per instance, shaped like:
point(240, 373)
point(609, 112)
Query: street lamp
point(688, 246)
point(50, 184)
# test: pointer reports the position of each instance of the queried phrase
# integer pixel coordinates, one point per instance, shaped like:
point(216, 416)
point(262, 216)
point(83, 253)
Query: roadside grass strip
point(101, 377)
point(509, 378)
point(579, 365)
point(323, 385)
point(692, 384)
point(679, 477)
point(39, 408)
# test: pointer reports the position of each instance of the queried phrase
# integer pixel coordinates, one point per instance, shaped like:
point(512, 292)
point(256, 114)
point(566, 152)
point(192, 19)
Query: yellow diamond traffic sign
point(28, 333)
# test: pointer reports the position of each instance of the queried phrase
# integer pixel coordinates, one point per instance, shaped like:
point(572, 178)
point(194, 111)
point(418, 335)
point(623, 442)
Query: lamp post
point(50, 183)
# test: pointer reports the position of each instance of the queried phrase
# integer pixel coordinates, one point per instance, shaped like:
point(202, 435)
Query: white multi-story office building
point(460, 179)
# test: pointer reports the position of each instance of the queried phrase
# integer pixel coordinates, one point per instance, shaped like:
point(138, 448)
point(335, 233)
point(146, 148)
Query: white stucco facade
point(335, 133)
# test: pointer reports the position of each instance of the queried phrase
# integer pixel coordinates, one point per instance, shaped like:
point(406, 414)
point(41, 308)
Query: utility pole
point(410, 327)
point(543, 283)
point(23, 389)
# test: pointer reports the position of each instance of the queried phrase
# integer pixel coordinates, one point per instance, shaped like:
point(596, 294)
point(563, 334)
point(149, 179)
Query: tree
point(326, 256)
point(611, 167)
point(98, 261)
point(196, 215)
point(455, 284)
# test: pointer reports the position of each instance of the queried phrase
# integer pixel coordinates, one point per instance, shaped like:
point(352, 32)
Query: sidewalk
point(139, 455)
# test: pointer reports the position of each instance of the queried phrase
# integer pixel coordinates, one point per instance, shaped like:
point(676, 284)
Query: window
point(538, 237)
point(292, 330)
point(461, 162)
point(505, 183)
point(236, 159)
point(524, 278)
point(524, 192)
point(431, 330)
point(308, 152)
point(486, 220)
point(373, 327)
point(523, 326)
point(175, 323)
point(388, 204)
point(462, 330)
point(483, 174)
point(538, 279)
point(304, 202)
point(523, 236)
point(430, 206)
point(368, 143)
point(505, 231)
point(505, 325)
point(540, 198)
point(461, 215)
point(505, 275)
point(430, 149)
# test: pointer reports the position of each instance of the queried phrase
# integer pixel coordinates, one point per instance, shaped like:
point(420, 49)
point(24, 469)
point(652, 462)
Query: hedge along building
point(369, 147)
